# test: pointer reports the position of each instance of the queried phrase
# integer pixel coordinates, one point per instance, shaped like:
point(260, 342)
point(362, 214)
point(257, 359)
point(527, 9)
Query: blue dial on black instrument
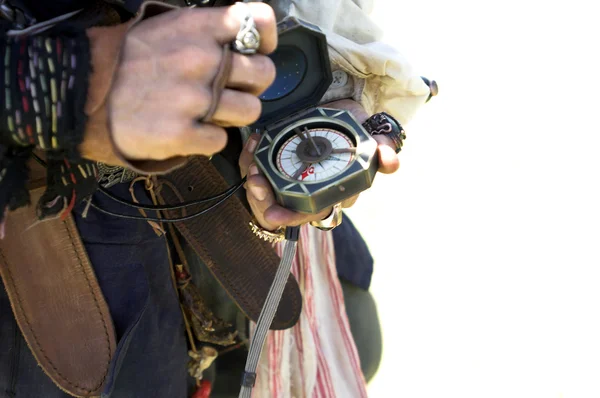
point(291, 69)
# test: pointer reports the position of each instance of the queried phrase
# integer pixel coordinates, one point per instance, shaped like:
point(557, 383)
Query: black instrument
point(313, 157)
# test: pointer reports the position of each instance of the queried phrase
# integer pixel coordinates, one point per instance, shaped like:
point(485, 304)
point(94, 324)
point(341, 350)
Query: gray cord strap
point(266, 317)
point(42, 26)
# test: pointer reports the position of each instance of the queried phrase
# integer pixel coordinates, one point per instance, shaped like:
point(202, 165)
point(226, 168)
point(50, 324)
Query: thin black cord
point(176, 207)
point(39, 160)
point(170, 220)
point(223, 196)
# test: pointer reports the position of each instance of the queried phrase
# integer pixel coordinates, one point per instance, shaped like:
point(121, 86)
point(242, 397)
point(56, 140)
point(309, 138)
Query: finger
point(388, 159)
point(251, 74)
point(355, 108)
point(260, 197)
point(225, 23)
point(268, 212)
point(349, 202)
point(237, 109)
point(247, 155)
point(278, 215)
point(200, 139)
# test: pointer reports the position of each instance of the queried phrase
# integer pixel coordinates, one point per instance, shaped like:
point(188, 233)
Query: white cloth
point(317, 358)
point(384, 79)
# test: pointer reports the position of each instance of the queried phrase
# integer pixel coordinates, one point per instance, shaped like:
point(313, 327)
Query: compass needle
point(344, 150)
point(300, 134)
point(302, 169)
point(312, 141)
point(297, 174)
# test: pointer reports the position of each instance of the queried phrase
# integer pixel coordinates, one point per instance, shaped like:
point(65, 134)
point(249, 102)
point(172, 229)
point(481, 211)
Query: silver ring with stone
point(383, 123)
point(247, 41)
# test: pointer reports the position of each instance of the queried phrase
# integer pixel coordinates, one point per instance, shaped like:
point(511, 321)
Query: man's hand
point(163, 83)
point(269, 214)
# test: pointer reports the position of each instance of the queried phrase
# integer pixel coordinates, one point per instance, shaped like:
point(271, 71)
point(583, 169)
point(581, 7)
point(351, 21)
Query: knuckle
point(193, 59)
point(177, 133)
point(172, 142)
point(205, 140)
point(188, 19)
point(266, 13)
point(215, 140)
point(189, 56)
point(188, 98)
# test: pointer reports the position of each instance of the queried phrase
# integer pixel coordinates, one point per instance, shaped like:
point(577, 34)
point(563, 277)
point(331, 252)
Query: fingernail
point(258, 192)
point(251, 146)
point(253, 170)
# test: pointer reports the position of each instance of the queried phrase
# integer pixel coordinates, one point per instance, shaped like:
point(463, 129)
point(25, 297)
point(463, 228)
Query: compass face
point(316, 159)
point(315, 155)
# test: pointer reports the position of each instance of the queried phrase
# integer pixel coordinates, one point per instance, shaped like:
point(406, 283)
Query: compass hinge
point(289, 119)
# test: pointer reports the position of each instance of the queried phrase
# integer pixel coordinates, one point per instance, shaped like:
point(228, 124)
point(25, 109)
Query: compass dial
point(314, 155)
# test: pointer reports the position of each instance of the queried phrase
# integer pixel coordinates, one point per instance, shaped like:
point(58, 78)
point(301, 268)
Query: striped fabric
point(317, 358)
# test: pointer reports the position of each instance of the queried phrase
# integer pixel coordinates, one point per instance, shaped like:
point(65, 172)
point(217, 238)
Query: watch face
point(314, 155)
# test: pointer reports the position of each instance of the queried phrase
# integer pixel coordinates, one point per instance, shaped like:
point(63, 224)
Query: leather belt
point(241, 262)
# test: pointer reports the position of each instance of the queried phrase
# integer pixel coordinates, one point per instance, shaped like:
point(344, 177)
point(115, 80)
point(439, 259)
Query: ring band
point(247, 41)
point(219, 84)
point(332, 221)
point(384, 123)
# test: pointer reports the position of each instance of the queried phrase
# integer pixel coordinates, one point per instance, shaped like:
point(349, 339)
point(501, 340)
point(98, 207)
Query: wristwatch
point(332, 221)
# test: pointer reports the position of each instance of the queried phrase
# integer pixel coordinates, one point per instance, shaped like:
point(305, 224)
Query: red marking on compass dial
point(307, 172)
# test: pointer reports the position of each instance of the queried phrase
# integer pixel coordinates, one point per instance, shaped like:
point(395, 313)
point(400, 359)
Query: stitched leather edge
point(21, 317)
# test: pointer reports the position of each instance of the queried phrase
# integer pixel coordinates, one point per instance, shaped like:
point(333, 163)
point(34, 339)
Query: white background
point(487, 240)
